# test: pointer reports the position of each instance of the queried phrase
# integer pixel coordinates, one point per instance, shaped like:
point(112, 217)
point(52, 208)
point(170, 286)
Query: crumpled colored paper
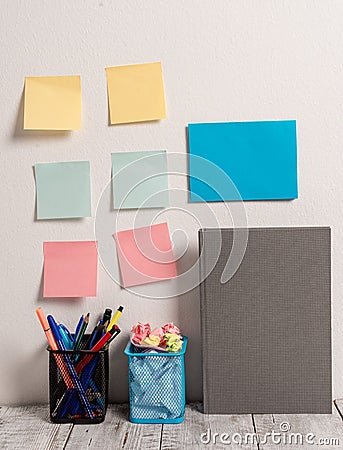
point(158, 332)
point(174, 342)
point(151, 340)
point(162, 339)
point(141, 331)
point(170, 328)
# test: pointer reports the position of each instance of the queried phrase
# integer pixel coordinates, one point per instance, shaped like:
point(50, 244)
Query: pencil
point(79, 337)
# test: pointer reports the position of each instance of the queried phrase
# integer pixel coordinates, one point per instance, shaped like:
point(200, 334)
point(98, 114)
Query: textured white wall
point(222, 61)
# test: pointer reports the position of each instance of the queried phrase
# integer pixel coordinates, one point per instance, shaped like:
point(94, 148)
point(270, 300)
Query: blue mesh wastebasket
point(156, 385)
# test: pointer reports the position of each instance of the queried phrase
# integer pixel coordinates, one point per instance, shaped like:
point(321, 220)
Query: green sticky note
point(140, 179)
point(63, 190)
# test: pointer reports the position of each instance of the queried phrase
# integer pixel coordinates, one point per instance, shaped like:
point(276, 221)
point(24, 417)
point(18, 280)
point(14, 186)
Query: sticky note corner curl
point(135, 93)
point(52, 103)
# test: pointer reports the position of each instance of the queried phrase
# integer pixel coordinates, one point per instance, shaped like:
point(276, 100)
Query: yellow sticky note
point(135, 93)
point(52, 103)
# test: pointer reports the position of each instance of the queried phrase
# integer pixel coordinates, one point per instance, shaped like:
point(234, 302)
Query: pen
point(107, 316)
point(98, 346)
point(97, 333)
point(53, 346)
point(115, 318)
point(46, 328)
point(75, 379)
point(66, 336)
point(115, 334)
point(78, 326)
point(100, 330)
point(86, 380)
point(88, 371)
point(79, 337)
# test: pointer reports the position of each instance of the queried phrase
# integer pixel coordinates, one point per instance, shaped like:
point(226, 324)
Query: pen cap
point(107, 315)
point(113, 329)
point(115, 318)
point(117, 314)
point(42, 319)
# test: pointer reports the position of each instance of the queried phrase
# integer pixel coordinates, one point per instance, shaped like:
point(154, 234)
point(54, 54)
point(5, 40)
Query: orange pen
point(53, 346)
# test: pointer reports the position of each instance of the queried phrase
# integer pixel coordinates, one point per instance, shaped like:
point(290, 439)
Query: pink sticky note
point(70, 269)
point(145, 255)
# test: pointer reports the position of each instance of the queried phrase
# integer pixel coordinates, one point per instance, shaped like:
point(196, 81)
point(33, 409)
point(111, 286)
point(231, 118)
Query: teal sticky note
point(63, 190)
point(256, 159)
point(140, 179)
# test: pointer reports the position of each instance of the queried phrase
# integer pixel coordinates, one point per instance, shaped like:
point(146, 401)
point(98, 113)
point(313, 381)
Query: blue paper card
point(258, 158)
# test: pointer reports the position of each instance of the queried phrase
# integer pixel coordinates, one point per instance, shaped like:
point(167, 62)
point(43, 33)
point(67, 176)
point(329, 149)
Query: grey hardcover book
point(266, 333)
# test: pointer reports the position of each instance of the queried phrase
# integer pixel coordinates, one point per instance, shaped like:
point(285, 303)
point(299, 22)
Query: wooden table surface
point(29, 428)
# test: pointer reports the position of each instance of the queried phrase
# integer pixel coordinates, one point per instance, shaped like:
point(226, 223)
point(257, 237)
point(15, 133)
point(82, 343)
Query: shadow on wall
point(35, 214)
point(41, 300)
point(20, 133)
point(32, 367)
point(118, 370)
point(189, 323)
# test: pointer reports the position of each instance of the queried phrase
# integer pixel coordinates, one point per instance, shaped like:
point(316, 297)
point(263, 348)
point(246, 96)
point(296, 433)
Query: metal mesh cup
point(156, 385)
point(82, 399)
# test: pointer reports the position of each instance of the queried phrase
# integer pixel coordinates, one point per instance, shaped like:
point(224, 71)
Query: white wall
point(222, 61)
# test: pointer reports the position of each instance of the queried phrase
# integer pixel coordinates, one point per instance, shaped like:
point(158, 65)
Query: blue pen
point(78, 327)
point(66, 336)
point(71, 368)
point(99, 331)
point(86, 380)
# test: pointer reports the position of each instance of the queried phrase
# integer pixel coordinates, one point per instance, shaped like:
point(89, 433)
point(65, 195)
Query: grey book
point(266, 333)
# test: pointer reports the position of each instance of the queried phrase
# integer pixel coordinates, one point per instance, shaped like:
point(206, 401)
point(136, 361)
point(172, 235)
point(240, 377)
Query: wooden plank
point(3, 411)
point(28, 427)
point(199, 430)
point(115, 432)
point(300, 428)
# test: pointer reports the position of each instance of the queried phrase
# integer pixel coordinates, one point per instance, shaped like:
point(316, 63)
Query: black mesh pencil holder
point(78, 385)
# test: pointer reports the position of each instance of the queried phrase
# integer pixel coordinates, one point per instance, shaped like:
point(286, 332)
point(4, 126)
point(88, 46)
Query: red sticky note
point(145, 255)
point(70, 269)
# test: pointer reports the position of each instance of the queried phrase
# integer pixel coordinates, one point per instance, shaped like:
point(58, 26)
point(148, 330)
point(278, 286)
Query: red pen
point(98, 346)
